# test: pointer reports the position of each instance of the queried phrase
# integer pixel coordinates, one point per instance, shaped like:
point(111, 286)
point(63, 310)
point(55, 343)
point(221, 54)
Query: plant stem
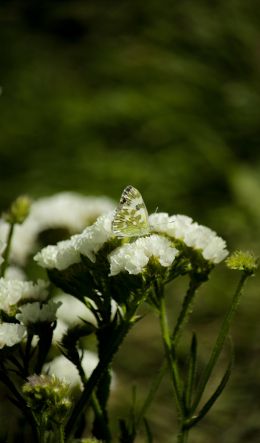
point(185, 309)
point(182, 318)
point(171, 358)
point(220, 340)
point(85, 398)
point(182, 437)
point(7, 249)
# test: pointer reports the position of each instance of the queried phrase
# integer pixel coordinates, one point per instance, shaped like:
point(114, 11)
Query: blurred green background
point(96, 95)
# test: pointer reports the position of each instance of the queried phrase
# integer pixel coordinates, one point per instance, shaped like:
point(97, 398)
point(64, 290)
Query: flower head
point(13, 292)
point(134, 257)
point(32, 313)
point(67, 210)
point(193, 235)
point(11, 334)
point(242, 261)
point(48, 397)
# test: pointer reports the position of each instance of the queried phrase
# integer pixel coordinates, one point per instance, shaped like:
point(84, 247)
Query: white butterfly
point(131, 217)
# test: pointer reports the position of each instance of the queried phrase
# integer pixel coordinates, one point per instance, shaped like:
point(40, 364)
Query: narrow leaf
point(191, 372)
point(213, 398)
point(149, 435)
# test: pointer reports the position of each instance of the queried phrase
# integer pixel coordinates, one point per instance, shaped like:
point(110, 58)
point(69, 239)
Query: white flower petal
point(10, 334)
point(133, 257)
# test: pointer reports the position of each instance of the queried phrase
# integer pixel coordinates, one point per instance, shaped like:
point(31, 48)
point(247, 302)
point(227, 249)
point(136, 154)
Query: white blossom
point(199, 237)
point(88, 243)
point(133, 257)
point(13, 291)
point(65, 369)
point(35, 312)
point(11, 333)
point(59, 256)
point(93, 237)
point(67, 210)
point(14, 273)
point(212, 247)
point(70, 313)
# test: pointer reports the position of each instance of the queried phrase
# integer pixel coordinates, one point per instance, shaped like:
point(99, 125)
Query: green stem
point(220, 340)
point(171, 358)
point(182, 437)
point(185, 309)
point(7, 249)
point(94, 403)
point(182, 319)
point(85, 398)
point(60, 434)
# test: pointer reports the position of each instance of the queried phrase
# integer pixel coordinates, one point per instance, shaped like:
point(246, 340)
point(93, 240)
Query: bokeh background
point(96, 95)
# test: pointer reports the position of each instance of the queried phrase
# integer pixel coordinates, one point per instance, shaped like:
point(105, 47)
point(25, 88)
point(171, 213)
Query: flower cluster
point(66, 210)
point(48, 397)
point(24, 302)
point(193, 235)
point(15, 292)
point(11, 334)
point(163, 244)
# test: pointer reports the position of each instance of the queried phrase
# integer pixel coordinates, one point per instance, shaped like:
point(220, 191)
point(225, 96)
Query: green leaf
point(191, 372)
point(207, 406)
point(148, 431)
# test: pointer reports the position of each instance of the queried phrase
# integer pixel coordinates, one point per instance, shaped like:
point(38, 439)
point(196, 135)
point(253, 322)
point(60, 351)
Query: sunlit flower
point(198, 237)
point(87, 243)
point(67, 210)
point(11, 334)
point(133, 257)
point(93, 237)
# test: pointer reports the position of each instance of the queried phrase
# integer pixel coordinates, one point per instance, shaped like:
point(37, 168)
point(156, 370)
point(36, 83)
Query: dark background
point(165, 96)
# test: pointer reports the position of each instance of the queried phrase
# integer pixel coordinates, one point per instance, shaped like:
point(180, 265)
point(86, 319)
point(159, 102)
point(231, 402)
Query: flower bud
point(242, 261)
point(19, 210)
point(48, 397)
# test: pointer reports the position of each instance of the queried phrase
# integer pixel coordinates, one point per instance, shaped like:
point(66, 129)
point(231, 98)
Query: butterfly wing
point(131, 217)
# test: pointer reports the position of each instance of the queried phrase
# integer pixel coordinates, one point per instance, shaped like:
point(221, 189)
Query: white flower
point(72, 309)
point(15, 273)
point(88, 243)
point(13, 291)
point(70, 313)
point(212, 247)
point(10, 334)
point(175, 226)
point(199, 237)
point(133, 257)
point(70, 210)
point(93, 237)
point(59, 256)
point(36, 312)
point(65, 369)
point(64, 210)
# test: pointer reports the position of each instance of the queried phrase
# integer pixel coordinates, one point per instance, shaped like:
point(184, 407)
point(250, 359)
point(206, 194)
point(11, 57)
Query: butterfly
point(131, 216)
